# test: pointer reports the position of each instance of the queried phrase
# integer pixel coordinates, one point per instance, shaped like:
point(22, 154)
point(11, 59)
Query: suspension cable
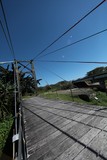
point(42, 75)
point(65, 81)
point(7, 29)
point(5, 35)
point(70, 29)
point(83, 62)
point(38, 55)
point(80, 40)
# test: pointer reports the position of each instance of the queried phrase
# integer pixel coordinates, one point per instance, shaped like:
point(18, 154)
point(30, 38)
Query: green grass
point(5, 127)
point(66, 97)
point(102, 98)
point(28, 96)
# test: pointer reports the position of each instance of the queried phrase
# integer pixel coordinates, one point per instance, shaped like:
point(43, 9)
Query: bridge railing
point(19, 142)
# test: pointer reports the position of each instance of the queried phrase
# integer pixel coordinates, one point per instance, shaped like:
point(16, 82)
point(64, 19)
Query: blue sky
point(34, 24)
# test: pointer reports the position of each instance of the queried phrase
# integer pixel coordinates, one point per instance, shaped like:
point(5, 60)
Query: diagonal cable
point(70, 29)
point(78, 41)
point(5, 35)
point(7, 29)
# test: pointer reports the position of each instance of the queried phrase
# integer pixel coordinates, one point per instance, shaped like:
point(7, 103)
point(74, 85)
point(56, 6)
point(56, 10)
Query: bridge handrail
point(19, 142)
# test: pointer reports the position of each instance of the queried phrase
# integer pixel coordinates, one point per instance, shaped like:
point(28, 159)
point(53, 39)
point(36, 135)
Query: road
point(58, 130)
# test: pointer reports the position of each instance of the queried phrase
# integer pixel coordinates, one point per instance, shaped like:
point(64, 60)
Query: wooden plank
point(100, 143)
point(95, 121)
point(102, 123)
point(78, 130)
point(105, 128)
point(48, 146)
point(86, 155)
point(47, 142)
point(62, 122)
point(88, 119)
point(69, 126)
point(84, 116)
point(43, 142)
point(59, 149)
point(89, 136)
point(71, 152)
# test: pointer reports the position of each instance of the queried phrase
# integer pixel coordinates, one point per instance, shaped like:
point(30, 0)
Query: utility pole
point(30, 70)
point(33, 74)
point(18, 79)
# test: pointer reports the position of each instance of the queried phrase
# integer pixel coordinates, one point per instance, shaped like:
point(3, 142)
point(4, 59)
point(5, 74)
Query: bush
point(5, 127)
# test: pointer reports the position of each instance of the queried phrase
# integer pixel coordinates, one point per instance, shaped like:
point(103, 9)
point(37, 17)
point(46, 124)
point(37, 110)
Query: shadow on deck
point(64, 131)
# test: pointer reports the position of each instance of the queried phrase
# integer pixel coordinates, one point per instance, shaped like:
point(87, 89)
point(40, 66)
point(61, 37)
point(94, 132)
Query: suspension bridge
point(52, 129)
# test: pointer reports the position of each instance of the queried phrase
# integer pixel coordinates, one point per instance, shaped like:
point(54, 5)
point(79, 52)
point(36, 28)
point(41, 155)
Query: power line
point(5, 35)
point(65, 80)
point(42, 75)
point(66, 32)
point(57, 75)
point(95, 34)
point(54, 73)
point(70, 29)
point(80, 40)
point(84, 62)
point(7, 29)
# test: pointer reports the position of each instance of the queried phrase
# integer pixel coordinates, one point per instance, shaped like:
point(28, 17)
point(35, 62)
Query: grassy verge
point(102, 98)
point(5, 127)
point(29, 95)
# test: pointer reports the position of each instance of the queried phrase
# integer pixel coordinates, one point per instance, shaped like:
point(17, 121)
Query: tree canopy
point(96, 71)
point(7, 87)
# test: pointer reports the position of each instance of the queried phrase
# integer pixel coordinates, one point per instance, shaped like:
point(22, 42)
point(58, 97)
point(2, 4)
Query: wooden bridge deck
point(64, 130)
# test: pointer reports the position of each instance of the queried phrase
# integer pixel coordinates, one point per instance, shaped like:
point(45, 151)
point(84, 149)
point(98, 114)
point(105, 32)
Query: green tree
point(96, 71)
point(7, 89)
